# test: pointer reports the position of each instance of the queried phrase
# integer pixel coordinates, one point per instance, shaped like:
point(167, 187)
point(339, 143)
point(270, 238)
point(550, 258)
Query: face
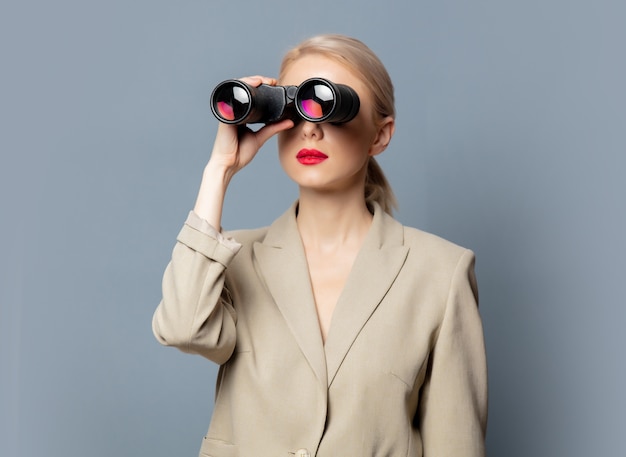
point(325, 156)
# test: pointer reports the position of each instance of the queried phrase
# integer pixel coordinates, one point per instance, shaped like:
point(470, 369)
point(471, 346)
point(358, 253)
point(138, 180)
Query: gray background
point(510, 141)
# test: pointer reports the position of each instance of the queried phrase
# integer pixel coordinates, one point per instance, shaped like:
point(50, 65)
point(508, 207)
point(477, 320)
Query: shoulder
point(247, 237)
point(441, 269)
point(441, 258)
point(425, 245)
point(282, 231)
point(426, 242)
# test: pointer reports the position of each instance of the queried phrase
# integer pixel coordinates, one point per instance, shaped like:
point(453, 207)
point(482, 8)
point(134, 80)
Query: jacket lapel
point(374, 271)
point(284, 267)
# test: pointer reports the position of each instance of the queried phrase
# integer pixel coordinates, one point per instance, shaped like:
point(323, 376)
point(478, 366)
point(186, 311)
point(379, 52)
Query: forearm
point(210, 201)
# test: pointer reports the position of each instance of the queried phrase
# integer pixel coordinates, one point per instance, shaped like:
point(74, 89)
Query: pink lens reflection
point(312, 109)
point(226, 111)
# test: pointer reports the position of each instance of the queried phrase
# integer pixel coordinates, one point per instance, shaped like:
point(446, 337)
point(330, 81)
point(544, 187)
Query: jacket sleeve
point(453, 404)
point(196, 314)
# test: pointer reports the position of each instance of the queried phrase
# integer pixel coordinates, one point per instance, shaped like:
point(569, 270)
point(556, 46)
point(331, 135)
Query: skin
point(333, 218)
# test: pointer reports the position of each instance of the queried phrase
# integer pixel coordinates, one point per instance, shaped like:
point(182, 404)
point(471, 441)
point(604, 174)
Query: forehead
point(319, 66)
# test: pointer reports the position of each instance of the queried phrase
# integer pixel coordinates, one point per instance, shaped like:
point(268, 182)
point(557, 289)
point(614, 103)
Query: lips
point(310, 156)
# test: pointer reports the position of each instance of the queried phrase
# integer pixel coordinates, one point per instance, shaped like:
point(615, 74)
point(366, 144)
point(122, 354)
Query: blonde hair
point(360, 59)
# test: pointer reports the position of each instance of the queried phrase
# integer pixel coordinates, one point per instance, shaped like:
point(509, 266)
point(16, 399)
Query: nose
point(311, 130)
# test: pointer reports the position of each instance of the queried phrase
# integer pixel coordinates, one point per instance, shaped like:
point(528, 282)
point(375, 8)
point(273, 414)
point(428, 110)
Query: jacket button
point(303, 453)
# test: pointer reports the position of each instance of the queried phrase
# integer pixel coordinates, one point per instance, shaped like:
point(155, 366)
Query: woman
point(338, 331)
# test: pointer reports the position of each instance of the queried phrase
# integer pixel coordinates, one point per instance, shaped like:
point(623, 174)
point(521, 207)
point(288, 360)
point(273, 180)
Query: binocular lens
point(231, 101)
point(316, 100)
point(320, 100)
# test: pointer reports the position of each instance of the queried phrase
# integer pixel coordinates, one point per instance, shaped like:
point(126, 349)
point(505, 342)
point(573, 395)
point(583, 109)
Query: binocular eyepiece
point(315, 100)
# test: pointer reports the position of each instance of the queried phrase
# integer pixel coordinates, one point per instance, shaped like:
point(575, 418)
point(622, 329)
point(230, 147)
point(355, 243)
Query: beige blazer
point(403, 370)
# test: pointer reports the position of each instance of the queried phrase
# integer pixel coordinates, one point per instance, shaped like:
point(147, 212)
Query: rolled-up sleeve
point(196, 313)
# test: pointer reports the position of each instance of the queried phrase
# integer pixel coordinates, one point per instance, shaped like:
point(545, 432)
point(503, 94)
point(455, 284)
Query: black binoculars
point(315, 100)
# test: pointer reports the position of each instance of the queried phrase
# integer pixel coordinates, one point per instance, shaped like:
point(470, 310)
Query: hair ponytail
point(377, 188)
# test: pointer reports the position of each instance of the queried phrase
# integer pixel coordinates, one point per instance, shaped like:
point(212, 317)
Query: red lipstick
point(310, 156)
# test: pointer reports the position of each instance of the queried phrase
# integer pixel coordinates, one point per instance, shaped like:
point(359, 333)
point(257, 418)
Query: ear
point(386, 127)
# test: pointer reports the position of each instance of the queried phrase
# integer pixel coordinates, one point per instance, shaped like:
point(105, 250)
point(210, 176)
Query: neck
point(331, 221)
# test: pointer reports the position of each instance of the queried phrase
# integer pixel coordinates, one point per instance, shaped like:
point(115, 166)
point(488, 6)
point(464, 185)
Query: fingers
point(236, 145)
point(257, 80)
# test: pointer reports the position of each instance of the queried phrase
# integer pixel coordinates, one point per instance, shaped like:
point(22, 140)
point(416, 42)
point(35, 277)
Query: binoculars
point(315, 100)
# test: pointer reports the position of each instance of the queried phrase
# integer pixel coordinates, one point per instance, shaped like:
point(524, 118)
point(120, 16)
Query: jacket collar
point(284, 267)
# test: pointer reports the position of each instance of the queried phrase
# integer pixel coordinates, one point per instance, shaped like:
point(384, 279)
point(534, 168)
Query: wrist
point(216, 175)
